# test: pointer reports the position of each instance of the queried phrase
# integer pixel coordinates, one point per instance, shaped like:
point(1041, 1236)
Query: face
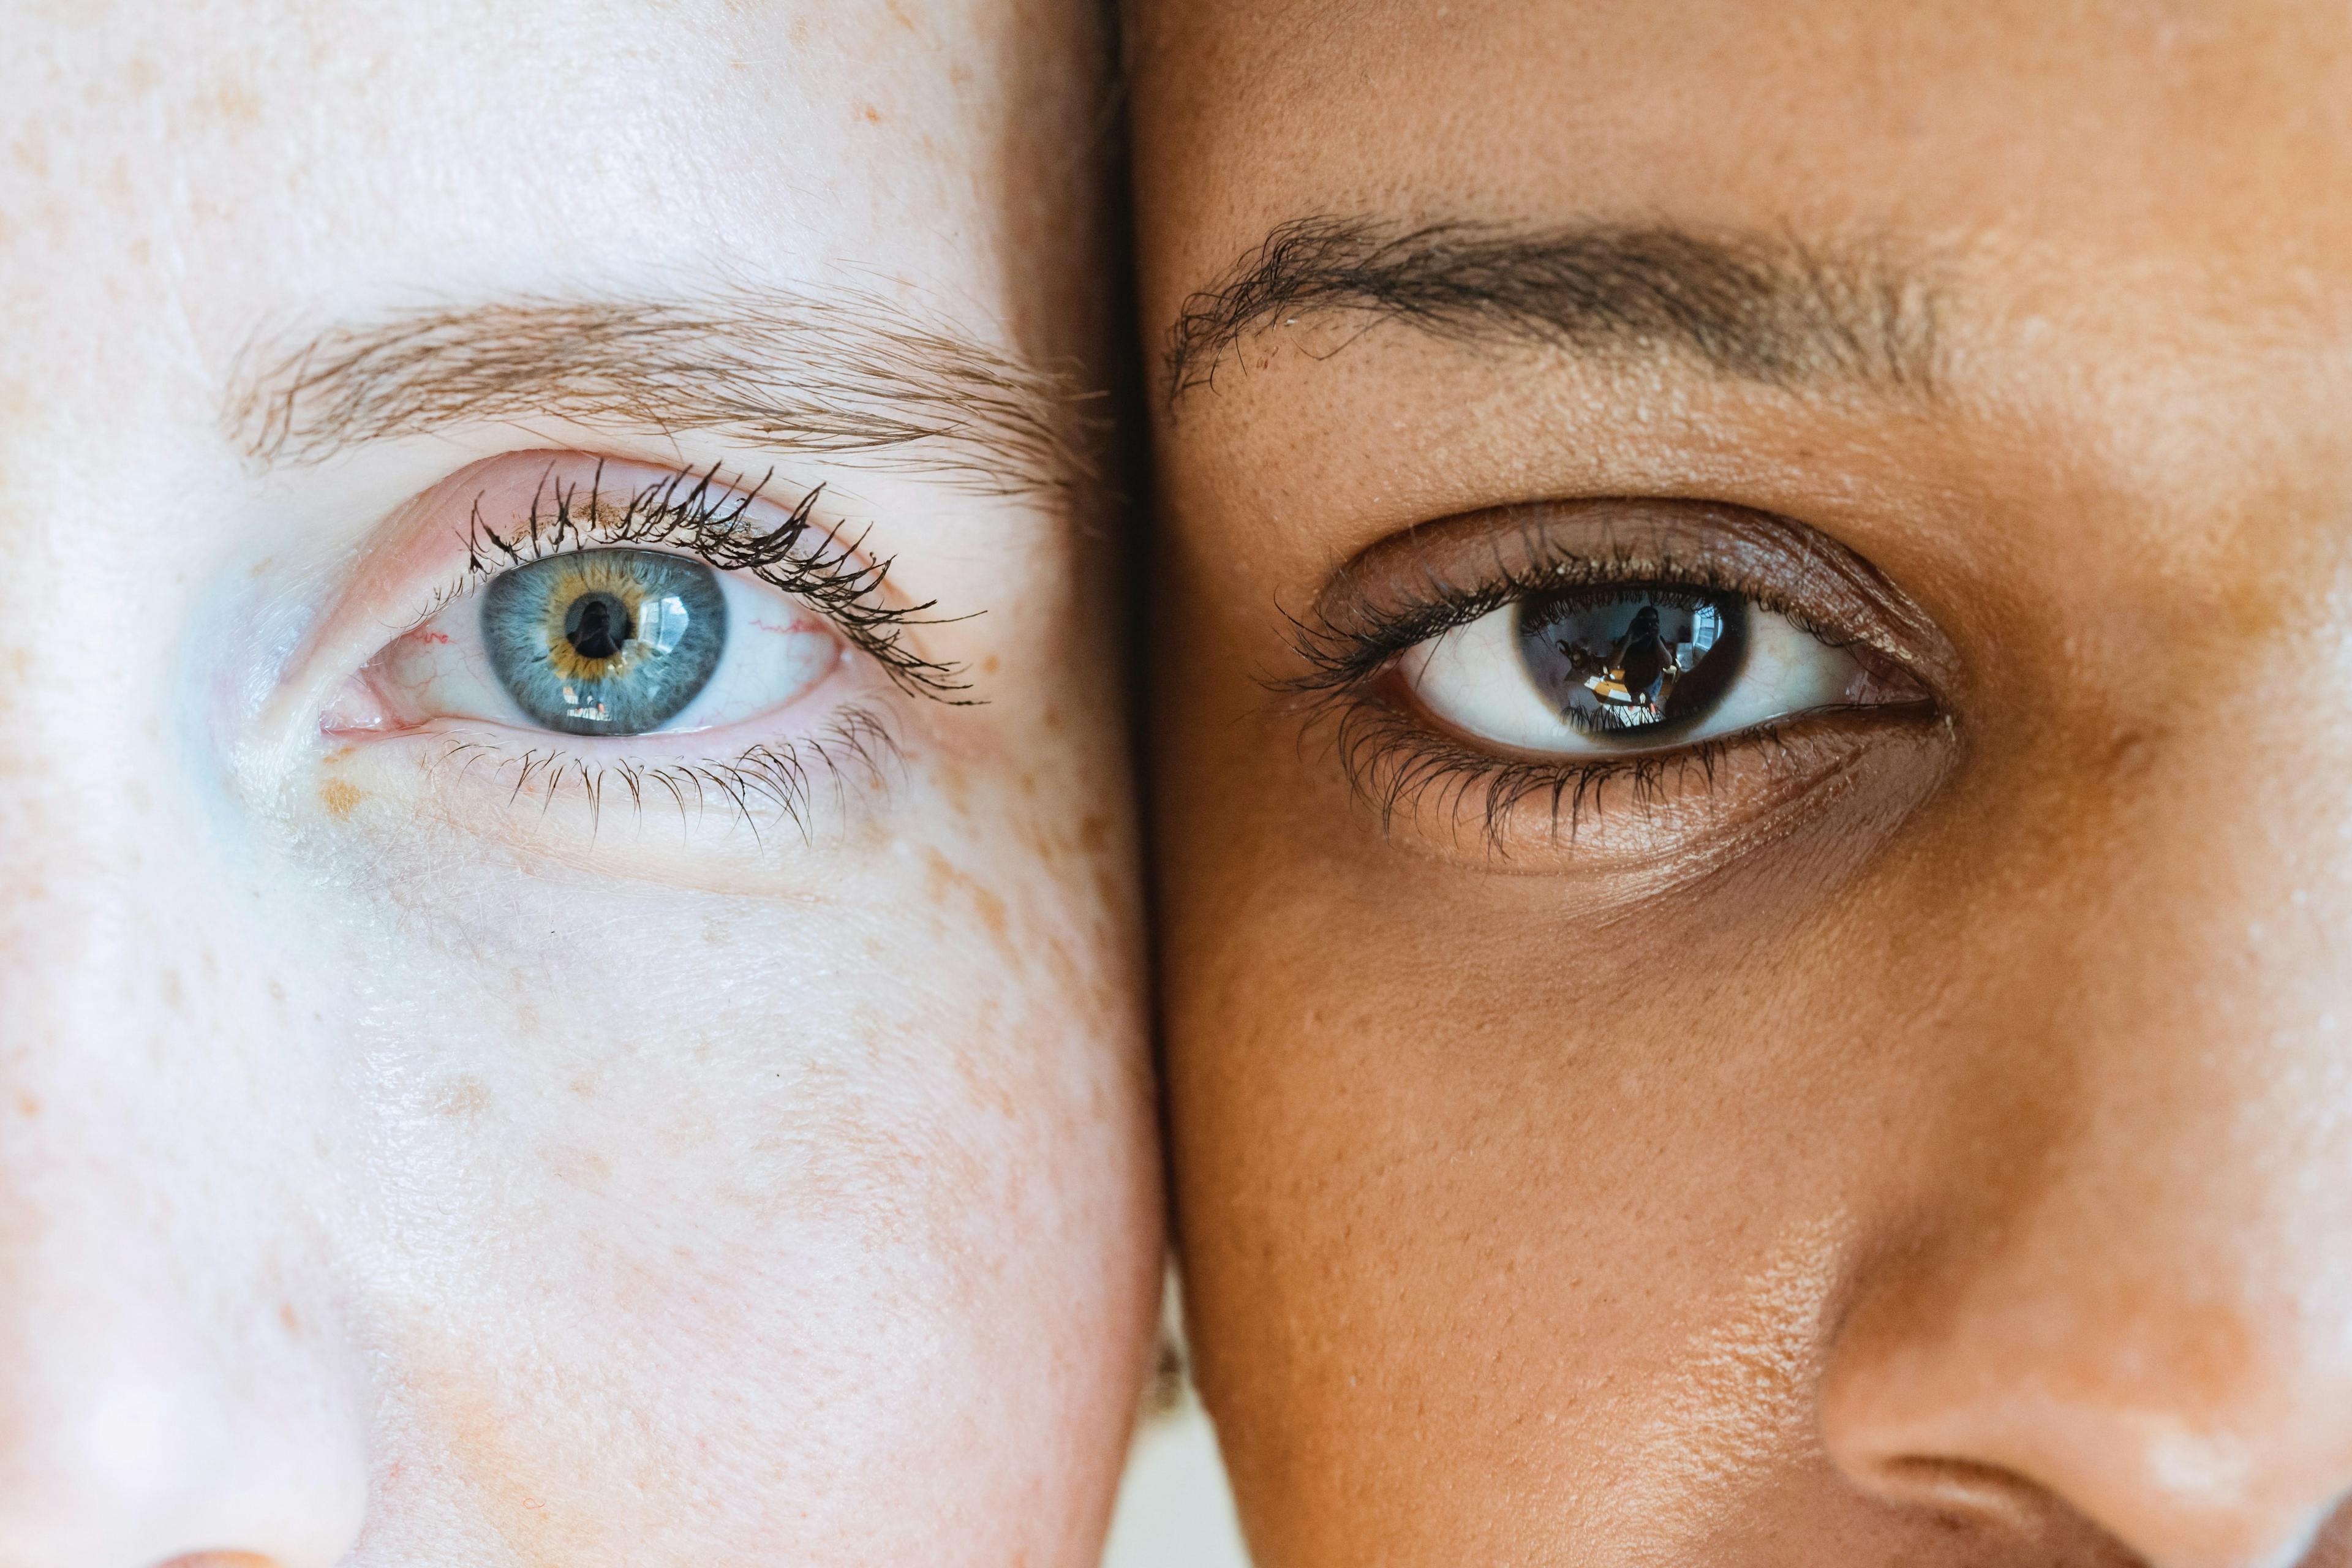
point(1752, 678)
point(565, 892)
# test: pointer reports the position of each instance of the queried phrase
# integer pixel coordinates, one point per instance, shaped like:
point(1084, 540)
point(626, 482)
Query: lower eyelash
point(1401, 766)
point(773, 781)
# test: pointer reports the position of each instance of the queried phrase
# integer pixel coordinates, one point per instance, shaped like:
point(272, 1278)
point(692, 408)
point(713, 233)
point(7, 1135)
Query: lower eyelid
point(797, 787)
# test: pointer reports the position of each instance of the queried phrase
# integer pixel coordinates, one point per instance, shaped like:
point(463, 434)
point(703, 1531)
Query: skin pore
point(1911, 1133)
point(429, 1136)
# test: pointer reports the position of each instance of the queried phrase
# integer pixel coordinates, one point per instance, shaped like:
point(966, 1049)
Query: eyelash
point(699, 515)
point(1397, 762)
point(782, 773)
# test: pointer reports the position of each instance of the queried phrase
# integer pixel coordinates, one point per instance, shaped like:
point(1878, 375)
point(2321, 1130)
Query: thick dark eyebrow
point(845, 376)
point(1764, 308)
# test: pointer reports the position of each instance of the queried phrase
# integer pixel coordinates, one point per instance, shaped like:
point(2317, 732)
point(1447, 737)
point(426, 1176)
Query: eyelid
point(416, 557)
point(1439, 576)
point(696, 514)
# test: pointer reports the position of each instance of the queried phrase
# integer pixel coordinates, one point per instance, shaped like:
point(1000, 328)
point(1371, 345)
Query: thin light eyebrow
point(1763, 308)
point(846, 377)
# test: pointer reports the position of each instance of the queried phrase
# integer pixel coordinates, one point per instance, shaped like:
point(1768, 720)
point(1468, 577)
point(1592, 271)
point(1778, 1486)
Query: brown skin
point(1934, 1151)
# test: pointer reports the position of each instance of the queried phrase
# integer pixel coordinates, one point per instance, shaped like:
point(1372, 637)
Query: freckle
point(956, 786)
point(237, 104)
point(337, 754)
point(277, 993)
point(585, 1088)
point(577, 1167)
point(172, 996)
point(339, 797)
point(28, 1106)
point(286, 1316)
point(992, 910)
point(1094, 833)
point(1053, 717)
point(464, 1096)
point(260, 566)
point(868, 113)
point(989, 665)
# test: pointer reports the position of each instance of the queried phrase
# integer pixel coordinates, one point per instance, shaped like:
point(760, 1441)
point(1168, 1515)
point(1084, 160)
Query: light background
point(1174, 1510)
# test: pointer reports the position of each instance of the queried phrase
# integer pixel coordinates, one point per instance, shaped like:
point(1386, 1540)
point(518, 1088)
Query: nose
point(172, 1385)
point(2120, 1295)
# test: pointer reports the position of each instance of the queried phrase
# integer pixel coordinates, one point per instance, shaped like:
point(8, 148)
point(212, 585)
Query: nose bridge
point(2145, 1311)
point(171, 1379)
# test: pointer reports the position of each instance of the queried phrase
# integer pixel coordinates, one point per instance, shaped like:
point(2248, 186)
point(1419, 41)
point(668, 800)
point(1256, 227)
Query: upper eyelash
point(1343, 656)
point(701, 515)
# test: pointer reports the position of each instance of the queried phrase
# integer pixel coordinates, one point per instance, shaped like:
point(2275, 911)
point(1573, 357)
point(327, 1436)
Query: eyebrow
point(1761, 308)
point(846, 377)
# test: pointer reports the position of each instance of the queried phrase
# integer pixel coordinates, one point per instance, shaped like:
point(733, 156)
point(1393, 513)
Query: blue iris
point(605, 642)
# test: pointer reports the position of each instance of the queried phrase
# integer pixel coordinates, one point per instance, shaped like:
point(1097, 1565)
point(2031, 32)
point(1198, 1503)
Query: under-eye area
point(1610, 676)
point(615, 636)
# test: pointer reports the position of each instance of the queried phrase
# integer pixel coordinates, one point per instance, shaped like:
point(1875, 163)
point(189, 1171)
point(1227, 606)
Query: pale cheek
point(807, 1158)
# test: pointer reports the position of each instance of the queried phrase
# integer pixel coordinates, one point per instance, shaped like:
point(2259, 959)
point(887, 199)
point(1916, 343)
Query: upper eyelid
point(694, 512)
point(1776, 562)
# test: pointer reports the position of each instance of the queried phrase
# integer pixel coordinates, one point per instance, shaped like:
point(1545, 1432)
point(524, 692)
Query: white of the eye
point(1473, 678)
point(775, 652)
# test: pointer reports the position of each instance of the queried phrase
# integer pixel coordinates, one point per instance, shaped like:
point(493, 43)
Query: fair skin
point(431, 1137)
point(1916, 1136)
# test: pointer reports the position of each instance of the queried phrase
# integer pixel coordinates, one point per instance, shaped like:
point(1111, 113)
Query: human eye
point(1621, 676)
point(609, 630)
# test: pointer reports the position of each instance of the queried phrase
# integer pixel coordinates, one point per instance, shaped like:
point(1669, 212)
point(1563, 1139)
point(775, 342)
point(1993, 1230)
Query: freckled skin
point(1965, 1185)
point(403, 1171)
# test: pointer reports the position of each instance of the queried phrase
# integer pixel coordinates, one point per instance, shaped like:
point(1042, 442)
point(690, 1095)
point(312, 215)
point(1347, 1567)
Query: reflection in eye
point(605, 642)
point(1619, 670)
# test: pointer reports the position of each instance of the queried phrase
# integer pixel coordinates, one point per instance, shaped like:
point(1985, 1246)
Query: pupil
point(597, 624)
point(1633, 661)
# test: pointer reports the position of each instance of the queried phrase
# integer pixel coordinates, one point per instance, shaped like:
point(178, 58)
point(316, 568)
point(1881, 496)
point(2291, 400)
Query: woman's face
point(1770, 982)
point(519, 1056)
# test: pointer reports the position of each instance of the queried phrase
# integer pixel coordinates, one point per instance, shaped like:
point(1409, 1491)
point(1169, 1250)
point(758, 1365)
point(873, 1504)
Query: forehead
point(2143, 133)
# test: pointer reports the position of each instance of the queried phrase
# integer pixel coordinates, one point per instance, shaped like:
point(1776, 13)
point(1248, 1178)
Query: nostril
point(2005, 1505)
point(1965, 1491)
